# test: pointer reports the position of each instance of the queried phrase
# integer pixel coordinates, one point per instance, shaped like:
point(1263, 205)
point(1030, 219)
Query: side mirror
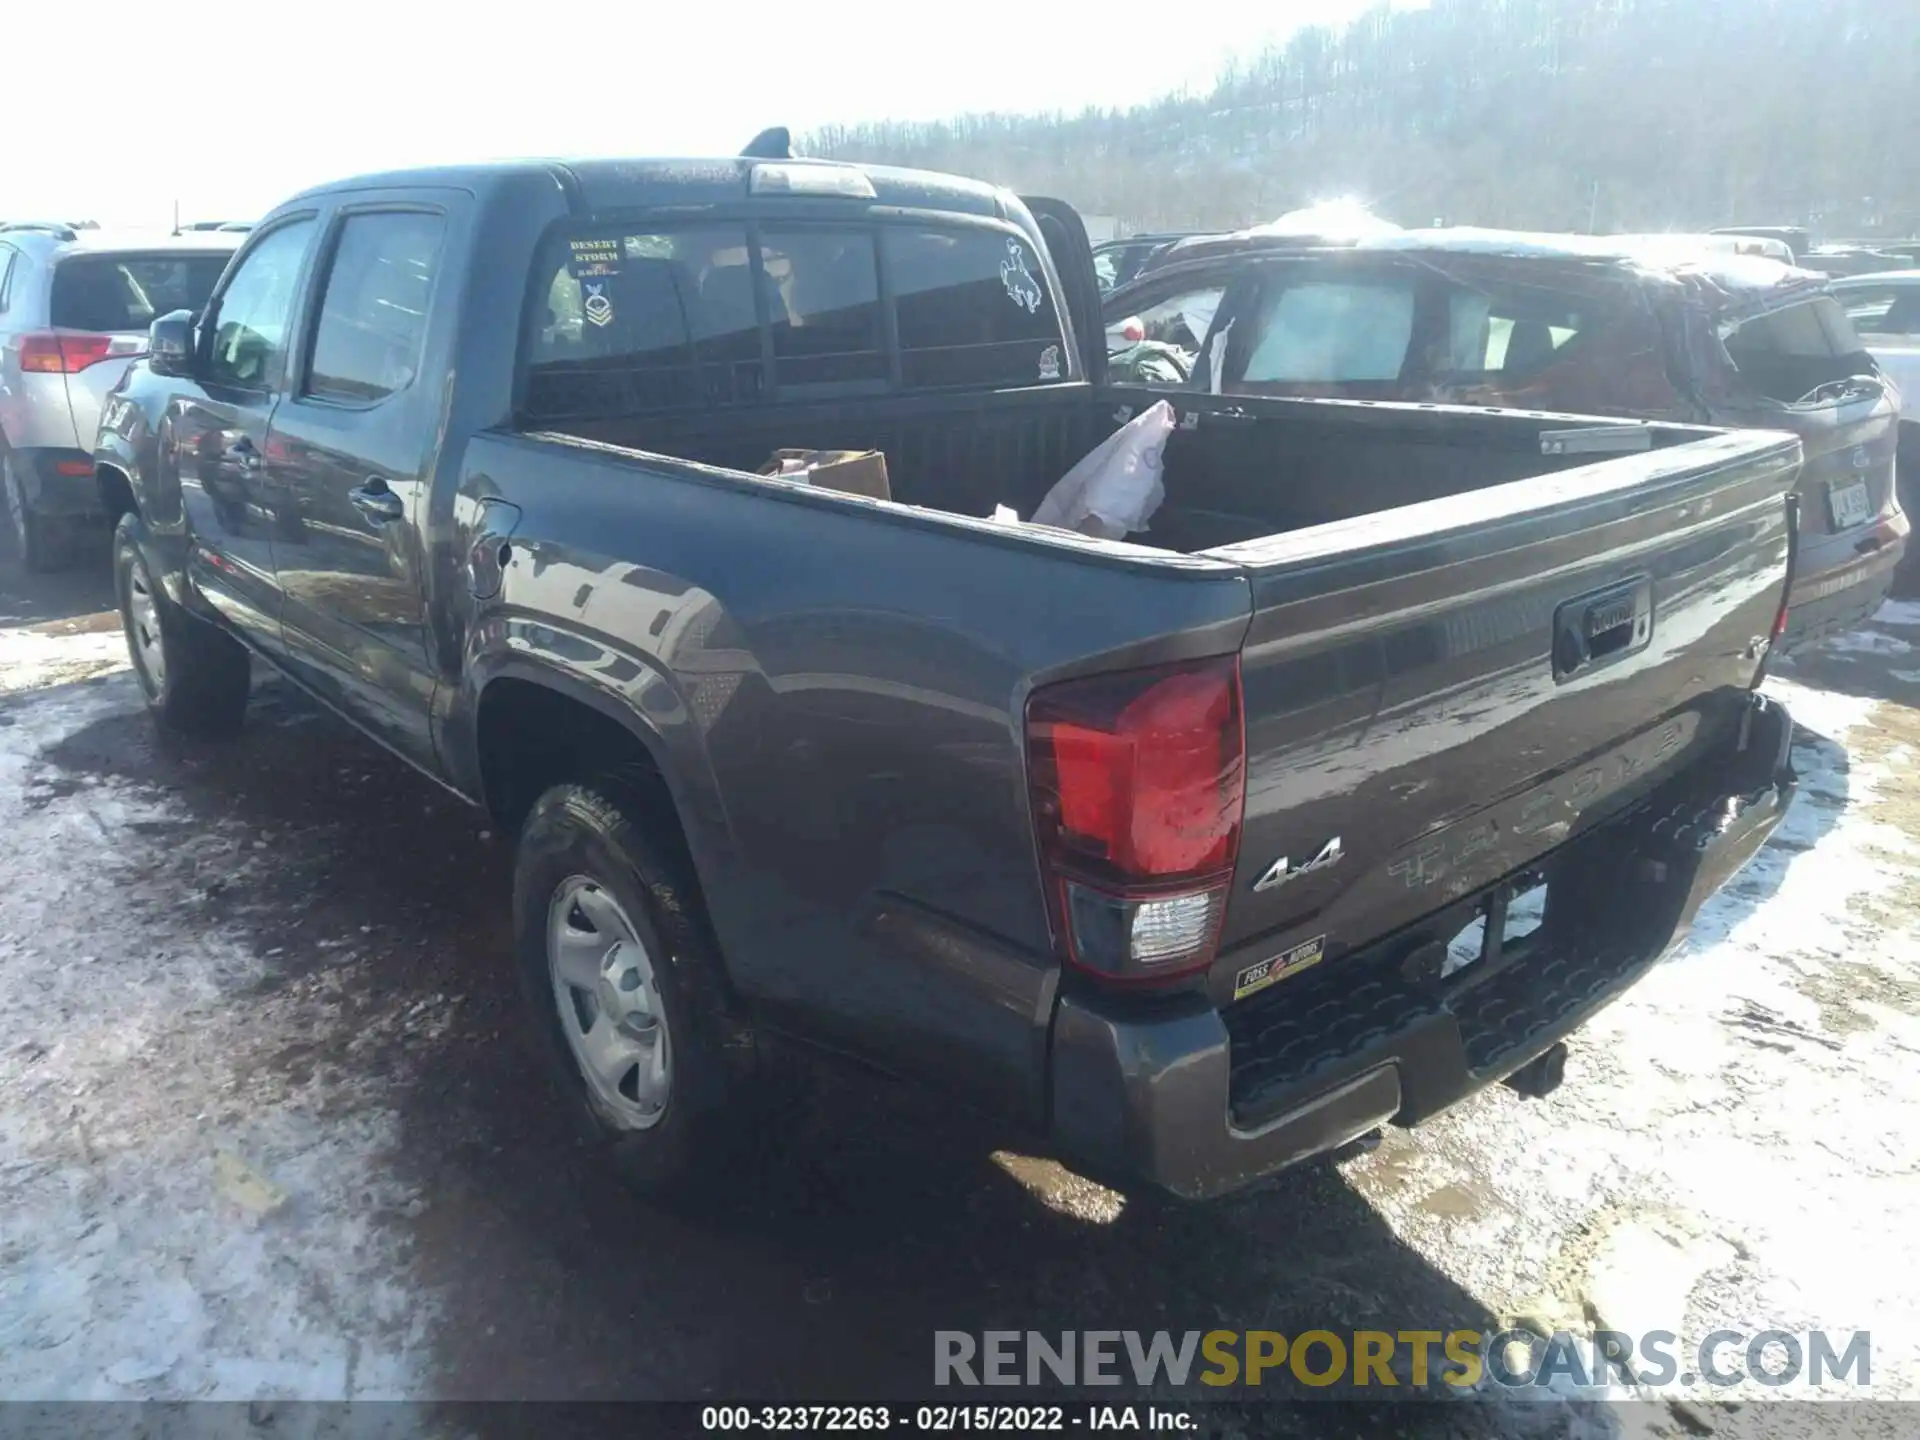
point(170, 344)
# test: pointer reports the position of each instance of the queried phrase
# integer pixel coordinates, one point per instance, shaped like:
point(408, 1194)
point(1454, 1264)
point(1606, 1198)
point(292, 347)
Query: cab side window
point(373, 316)
point(249, 347)
point(1182, 320)
point(1332, 332)
point(1506, 334)
point(1894, 310)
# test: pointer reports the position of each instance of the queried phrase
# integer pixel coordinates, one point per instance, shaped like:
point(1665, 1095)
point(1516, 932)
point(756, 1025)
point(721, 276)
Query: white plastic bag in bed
point(1116, 487)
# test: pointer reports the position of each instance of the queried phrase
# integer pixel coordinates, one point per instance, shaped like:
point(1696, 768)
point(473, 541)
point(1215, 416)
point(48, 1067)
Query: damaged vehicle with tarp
point(1643, 327)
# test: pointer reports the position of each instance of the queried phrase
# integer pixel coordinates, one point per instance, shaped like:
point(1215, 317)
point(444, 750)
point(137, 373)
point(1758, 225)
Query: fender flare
point(164, 537)
point(692, 788)
point(105, 465)
point(695, 798)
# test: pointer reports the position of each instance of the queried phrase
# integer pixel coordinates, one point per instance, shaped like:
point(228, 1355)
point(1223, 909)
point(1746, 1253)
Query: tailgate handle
point(1591, 631)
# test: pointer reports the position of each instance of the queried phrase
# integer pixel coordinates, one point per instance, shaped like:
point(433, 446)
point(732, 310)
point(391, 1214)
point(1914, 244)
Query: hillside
point(1631, 114)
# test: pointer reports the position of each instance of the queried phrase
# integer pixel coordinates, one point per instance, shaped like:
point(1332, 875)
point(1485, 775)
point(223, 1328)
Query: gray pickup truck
point(1174, 847)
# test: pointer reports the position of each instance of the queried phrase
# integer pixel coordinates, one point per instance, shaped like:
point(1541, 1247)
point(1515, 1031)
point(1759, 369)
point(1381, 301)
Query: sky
point(229, 106)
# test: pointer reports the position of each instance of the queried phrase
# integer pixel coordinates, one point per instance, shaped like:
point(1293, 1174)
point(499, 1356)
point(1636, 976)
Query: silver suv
point(74, 311)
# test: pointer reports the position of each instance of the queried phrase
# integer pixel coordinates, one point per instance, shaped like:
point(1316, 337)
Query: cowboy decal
point(1022, 288)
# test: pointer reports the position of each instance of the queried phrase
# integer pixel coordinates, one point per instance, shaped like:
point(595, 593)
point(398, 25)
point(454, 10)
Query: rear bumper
point(1199, 1102)
point(52, 491)
point(1842, 579)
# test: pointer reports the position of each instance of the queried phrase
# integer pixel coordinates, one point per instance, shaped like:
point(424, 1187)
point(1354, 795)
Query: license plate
point(1849, 505)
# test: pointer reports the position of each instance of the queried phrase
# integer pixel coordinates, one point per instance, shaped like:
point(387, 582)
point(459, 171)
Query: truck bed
point(1396, 581)
point(1245, 470)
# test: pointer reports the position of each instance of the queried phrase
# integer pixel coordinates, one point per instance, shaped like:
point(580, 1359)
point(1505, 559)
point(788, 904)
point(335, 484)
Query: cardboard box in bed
point(853, 472)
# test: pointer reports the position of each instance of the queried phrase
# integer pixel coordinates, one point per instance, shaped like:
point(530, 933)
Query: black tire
point(711, 1117)
point(199, 687)
point(44, 545)
point(1906, 579)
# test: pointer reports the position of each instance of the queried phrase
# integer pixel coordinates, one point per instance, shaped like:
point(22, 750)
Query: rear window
point(627, 322)
point(823, 301)
point(973, 308)
point(630, 321)
point(1788, 354)
point(1332, 332)
point(128, 292)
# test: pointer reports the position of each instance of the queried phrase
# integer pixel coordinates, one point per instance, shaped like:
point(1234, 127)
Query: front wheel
point(195, 677)
point(626, 990)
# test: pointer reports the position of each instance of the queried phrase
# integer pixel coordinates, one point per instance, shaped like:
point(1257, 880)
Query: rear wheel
point(194, 677)
point(626, 991)
point(43, 544)
point(1906, 579)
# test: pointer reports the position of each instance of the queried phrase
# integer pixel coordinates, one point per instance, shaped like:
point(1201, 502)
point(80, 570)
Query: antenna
point(772, 144)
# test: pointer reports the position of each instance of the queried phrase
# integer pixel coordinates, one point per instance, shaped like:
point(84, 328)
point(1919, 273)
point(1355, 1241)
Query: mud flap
point(1708, 847)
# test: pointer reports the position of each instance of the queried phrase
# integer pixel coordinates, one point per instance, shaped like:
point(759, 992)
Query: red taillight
point(41, 355)
point(73, 467)
point(67, 352)
point(1138, 783)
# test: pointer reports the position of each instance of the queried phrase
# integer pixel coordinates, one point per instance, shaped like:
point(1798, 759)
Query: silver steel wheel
point(609, 1003)
point(143, 629)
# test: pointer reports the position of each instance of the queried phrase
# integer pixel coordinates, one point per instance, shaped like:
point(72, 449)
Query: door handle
point(243, 454)
point(375, 501)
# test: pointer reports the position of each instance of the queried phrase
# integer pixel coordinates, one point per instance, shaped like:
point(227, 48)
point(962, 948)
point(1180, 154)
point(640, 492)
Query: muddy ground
point(269, 1125)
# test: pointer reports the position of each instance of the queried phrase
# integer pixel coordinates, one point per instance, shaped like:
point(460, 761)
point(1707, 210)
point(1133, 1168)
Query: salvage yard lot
point(268, 1126)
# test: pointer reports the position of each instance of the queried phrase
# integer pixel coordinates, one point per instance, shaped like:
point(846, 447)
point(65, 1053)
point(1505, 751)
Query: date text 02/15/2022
point(942, 1419)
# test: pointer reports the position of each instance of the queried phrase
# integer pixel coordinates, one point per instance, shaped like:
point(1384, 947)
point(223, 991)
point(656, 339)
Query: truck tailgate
point(1438, 695)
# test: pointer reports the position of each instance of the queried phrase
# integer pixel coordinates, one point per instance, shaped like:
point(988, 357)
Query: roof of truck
point(606, 185)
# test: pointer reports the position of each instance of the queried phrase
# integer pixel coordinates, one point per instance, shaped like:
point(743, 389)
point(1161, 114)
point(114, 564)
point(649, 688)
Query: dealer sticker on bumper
point(1278, 967)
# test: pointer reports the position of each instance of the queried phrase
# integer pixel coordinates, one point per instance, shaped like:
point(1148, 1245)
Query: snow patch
point(31, 660)
point(1865, 642)
point(1898, 612)
point(136, 1049)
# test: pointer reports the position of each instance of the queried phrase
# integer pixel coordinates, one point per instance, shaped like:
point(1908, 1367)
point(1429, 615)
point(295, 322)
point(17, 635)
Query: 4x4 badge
point(1283, 870)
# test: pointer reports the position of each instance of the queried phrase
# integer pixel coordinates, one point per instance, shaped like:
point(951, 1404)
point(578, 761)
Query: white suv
point(74, 310)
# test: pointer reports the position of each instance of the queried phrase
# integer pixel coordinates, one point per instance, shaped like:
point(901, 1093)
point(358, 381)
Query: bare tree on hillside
point(1631, 114)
